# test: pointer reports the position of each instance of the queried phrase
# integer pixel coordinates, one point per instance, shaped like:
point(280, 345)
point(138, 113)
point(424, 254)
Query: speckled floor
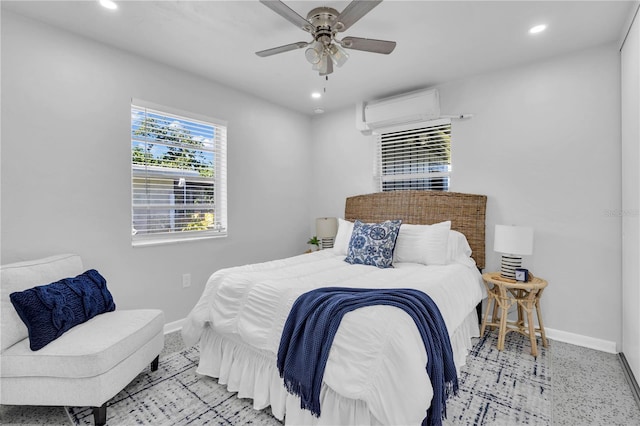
point(589, 388)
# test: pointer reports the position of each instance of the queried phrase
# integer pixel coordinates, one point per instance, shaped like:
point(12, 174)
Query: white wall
point(65, 167)
point(342, 162)
point(544, 146)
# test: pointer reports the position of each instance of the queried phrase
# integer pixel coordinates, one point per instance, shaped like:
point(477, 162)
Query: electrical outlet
point(186, 280)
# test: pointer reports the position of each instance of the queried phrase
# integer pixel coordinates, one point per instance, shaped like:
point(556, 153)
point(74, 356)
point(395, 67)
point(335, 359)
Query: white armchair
point(87, 365)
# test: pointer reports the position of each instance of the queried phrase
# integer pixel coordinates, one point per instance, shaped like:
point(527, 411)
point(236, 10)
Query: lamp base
point(509, 265)
point(326, 243)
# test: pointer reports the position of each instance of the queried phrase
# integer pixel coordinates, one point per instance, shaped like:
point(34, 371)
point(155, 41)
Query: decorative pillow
point(426, 244)
point(373, 243)
point(50, 310)
point(19, 276)
point(341, 242)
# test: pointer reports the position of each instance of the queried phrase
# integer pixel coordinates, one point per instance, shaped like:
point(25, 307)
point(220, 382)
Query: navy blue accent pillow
point(373, 243)
point(50, 310)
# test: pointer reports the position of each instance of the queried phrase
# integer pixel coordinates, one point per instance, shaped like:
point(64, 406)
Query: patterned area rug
point(175, 395)
point(496, 388)
point(506, 387)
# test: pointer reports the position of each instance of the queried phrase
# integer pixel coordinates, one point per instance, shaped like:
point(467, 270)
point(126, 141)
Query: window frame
point(404, 179)
point(181, 177)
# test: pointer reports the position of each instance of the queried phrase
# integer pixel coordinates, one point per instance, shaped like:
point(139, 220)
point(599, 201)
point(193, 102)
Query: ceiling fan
point(323, 23)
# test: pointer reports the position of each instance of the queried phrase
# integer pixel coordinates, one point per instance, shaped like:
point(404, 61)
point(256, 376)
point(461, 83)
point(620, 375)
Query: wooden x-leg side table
point(503, 294)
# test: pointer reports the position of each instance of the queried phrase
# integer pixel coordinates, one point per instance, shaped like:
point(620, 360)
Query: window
point(178, 175)
point(414, 158)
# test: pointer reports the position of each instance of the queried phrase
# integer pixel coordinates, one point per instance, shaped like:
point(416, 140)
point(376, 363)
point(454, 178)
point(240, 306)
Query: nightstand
point(503, 294)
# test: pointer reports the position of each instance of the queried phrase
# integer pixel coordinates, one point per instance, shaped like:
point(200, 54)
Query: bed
point(375, 372)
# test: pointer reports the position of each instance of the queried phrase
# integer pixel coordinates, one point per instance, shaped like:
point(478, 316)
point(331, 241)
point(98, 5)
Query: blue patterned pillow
point(50, 310)
point(373, 243)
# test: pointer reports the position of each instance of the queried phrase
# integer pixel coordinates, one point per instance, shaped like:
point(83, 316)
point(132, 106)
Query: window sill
point(167, 240)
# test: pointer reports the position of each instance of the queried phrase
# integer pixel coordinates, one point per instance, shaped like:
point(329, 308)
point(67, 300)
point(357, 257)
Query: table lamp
point(326, 230)
point(513, 242)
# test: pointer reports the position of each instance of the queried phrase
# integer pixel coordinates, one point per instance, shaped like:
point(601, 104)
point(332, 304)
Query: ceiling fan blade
point(281, 49)
point(287, 13)
point(368, 45)
point(353, 12)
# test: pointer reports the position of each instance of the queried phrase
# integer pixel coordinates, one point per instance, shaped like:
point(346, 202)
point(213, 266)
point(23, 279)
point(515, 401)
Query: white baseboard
point(174, 326)
point(559, 335)
point(580, 340)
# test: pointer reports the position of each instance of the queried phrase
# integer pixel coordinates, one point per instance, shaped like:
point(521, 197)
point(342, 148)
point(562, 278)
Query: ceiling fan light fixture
point(320, 64)
point(324, 66)
point(338, 55)
point(323, 23)
point(312, 56)
point(314, 53)
point(327, 67)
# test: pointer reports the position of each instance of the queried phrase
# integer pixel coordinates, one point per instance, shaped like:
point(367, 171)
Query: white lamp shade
point(513, 240)
point(326, 227)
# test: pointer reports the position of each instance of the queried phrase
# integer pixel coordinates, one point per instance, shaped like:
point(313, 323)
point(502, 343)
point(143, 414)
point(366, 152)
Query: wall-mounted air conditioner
point(421, 105)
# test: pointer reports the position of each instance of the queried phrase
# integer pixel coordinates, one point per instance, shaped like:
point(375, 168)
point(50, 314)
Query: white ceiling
point(437, 41)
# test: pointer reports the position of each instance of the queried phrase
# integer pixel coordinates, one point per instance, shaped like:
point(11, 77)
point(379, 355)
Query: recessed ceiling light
point(318, 110)
point(109, 4)
point(316, 95)
point(537, 29)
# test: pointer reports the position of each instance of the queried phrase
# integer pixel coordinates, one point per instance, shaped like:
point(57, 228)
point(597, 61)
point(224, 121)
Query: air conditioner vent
point(421, 105)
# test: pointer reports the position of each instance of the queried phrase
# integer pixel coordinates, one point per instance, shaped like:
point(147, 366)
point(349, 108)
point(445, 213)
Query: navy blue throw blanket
point(313, 322)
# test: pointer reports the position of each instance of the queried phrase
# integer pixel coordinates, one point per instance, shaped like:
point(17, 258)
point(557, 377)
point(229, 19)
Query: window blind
point(414, 157)
point(178, 175)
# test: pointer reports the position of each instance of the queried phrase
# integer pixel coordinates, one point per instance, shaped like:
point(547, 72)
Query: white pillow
point(458, 246)
point(459, 250)
point(426, 244)
point(341, 242)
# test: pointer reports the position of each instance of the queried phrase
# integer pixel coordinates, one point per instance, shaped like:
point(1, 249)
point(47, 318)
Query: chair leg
point(100, 415)
point(154, 363)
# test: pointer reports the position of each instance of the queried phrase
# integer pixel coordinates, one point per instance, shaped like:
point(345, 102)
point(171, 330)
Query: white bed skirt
point(253, 373)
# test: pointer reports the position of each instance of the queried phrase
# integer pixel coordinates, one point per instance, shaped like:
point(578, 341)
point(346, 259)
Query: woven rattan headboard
point(465, 211)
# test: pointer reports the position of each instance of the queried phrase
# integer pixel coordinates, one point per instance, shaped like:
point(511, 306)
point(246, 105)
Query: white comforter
point(377, 355)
